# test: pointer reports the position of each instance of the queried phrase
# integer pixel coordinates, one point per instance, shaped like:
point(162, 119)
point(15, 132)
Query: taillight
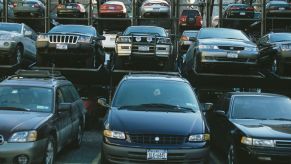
point(78, 7)
point(148, 4)
point(60, 6)
point(164, 4)
point(118, 7)
point(14, 4)
point(184, 38)
point(250, 9)
point(35, 5)
point(183, 19)
point(234, 8)
point(103, 7)
point(199, 21)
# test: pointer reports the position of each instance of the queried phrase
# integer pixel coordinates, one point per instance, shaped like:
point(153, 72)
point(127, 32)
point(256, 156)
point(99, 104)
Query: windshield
point(221, 33)
point(35, 99)
point(87, 30)
point(139, 92)
point(261, 107)
point(10, 27)
point(145, 30)
point(280, 37)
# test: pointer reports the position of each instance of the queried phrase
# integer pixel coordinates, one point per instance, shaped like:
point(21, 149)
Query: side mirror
point(64, 107)
point(101, 37)
point(27, 33)
point(220, 113)
point(103, 102)
point(119, 33)
point(207, 106)
point(193, 39)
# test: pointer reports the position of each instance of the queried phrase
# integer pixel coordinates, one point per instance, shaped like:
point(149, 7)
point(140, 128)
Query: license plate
point(143, 48)
point(242, 13)
point(157, 154)
point(281, 8)
point(232, 55)
point(62, 46)
point(69, 7)
point(111, 8)
point(156, 9)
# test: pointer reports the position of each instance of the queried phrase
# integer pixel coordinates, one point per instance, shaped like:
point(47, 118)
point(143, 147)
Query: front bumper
point(124, 155)
point(160, 50)
point(33, 150)
point(266, 154)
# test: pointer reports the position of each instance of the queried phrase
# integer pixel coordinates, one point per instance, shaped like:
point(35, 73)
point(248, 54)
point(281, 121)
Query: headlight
point(164, 41)
point(25, 136)
point(285, 47)
point(114, 134)
point(123, 39)
point(257, 142)
point(251, 49)
point(43, 38)
point(199, 137)
point(207, 47)
point(84, 39)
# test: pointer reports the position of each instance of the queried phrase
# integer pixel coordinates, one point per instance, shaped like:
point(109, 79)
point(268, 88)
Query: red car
point(113, 9)
point(190, 20)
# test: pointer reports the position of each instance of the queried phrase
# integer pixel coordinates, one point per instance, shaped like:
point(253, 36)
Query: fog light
point(22, 159)
point(6, 43)
point(265, 158)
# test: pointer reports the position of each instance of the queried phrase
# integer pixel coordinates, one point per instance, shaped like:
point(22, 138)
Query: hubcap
point(274, 66)
point(230, 155)
point(49, 153)
point(79, 135)
point(18, 56)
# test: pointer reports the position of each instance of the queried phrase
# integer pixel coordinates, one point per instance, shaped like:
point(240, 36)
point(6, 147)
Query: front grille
point(152, 139)
point(231, 48)
point(63, 38)
point(283, 144)
point(135, 50)
point(144, 39)
point(232, 59)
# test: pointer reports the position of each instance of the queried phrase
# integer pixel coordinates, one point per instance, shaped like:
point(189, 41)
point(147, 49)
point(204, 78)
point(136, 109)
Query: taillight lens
point(148, 4)
point(250, 9)
point(199, 21)
point(234, 8)
point(60, 6)
point(184, 38)
point(183, 19)
point(14, 4)
point(78, 7)
point(164, 4)
point(118, 7)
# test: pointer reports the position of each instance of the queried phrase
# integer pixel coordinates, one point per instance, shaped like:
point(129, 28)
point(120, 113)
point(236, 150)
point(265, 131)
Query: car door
point(29, 42)
point(266, 51)
point(64, 121)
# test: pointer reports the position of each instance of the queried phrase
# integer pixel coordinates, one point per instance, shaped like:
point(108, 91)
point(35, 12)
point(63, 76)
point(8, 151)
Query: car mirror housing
point(27, 33)
point(220, 113)
point(103, 102)
point(101, 37)
point(64, 107)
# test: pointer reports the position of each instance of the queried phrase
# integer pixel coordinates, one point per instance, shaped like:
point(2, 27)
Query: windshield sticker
point(157, 92)
point(14, 92)
point(42, 107)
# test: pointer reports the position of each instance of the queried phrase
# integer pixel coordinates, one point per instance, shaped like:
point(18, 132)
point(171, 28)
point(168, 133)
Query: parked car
point(40, 114)
point(190, 19)
point(33, 8)
point(155, 8)
point(71, 10)
point(70, 46)
point(278, 9)
point(275, 52)
point(239, 11)
point(186, 40)
point(18, 44)
point(143, 42)
point(148, 123)
point(221, 49)
point(252, 127)
point(113, 9)
point(9, 8)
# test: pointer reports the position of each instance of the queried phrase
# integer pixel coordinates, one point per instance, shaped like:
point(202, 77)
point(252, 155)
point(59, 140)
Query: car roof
point(155, 76)
point(145, 27)
point(235, 94)
point(36, 82)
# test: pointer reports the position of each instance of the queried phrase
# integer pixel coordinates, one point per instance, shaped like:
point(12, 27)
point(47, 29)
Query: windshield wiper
point(283, 41)
point(252, 118)
point(13, 108)
point(234, 38)
point(168, 106)
point(281, 119)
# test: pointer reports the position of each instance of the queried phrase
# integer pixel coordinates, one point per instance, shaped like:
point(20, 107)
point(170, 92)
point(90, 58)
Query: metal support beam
point(263, 18)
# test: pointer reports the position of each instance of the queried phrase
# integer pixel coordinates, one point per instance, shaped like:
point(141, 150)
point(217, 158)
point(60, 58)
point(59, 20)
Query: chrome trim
point(71, 39)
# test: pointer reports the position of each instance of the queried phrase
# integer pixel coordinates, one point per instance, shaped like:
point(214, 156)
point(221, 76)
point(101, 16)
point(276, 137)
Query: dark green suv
point(40, 113)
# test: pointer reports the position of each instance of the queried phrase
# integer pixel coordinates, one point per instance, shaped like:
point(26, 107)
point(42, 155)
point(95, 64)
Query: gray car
point(17, 44)
point(155, 7)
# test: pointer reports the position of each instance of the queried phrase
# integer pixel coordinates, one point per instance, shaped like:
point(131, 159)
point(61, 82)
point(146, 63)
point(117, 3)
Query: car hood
point(12, 121)
point(153, 122)
point(8, 33)
point(264, 128)
point(231, 42)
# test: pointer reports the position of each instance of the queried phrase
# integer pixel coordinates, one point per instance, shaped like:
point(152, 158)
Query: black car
point(70, 46)
point(239, 11)
point(275, 52)
point(252, 127)
point(278, 9)
point(40, 113)
point(221, 49)
point(33, 8)
point(71, 10)
point(154, 118)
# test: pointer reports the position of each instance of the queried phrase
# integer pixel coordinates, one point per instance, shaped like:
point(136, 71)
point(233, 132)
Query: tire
point(197, 64)
point(50, 151)
point(277, 67)
point(17, 56)
point(231, 155)
point(78, 139)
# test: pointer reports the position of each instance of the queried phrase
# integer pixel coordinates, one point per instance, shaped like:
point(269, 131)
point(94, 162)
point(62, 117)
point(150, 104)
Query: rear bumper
point(124, 155)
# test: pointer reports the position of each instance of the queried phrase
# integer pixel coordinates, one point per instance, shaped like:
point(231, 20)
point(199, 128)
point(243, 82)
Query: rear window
point(190, 13)
point(280, 37)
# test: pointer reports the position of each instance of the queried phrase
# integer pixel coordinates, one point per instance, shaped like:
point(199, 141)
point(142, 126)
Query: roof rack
point(177, 74)
point(38, 74)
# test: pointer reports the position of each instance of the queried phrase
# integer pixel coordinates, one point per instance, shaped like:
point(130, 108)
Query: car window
point(155, 92)
point(280, 37)
point(261, 107)
point(10, 27)
point(35, 99)
point(74, 92)
point(222, 33)
point(60, 97)
point(148, 30)
point(67, 94)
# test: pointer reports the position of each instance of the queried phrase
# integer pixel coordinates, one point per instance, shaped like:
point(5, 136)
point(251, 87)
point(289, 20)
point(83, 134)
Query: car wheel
point(277, 67)
point(231, 155)
point(50, 151)
point(16, 58)
point(79, 137)
point(197, 64)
